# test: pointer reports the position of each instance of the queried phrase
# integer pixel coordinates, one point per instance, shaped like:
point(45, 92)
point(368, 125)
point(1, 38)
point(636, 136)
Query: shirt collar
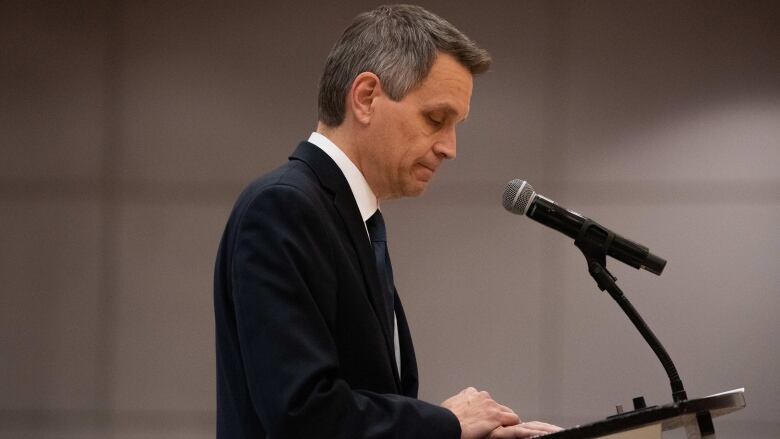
point(364, 196)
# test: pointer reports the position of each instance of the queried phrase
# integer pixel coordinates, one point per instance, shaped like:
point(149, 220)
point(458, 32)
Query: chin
point(415, 191)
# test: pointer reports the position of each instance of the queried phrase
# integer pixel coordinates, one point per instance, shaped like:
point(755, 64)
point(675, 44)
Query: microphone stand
point(595, 254)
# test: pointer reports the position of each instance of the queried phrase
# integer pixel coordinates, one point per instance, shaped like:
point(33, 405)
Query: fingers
point(480, 416)
point(500, 414)
point(542, 426)
point(507, 409)
point(524, 430)
point(478, 413)
point(505, 419)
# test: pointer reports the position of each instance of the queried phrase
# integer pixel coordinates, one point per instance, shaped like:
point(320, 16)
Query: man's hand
point(523, 430)
point(479, 414)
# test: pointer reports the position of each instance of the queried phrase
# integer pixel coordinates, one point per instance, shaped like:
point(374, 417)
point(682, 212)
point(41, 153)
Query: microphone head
point(517, 196)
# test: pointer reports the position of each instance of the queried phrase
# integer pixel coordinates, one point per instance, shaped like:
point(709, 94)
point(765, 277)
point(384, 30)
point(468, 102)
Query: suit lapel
point(333, 179)
point(409, 381)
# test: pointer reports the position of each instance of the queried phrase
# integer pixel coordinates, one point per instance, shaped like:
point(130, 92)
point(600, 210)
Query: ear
point(365, 89)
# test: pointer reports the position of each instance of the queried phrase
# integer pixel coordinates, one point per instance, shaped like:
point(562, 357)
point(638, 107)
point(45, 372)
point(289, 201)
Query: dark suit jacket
point(303, 345)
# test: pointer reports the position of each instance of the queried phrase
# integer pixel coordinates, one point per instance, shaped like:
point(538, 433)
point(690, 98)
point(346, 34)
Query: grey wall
point(128, 128)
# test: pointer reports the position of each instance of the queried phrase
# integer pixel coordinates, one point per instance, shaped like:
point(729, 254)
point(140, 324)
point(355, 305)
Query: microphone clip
point(596, 253)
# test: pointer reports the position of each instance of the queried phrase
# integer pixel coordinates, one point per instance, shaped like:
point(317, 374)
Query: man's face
point(410, 138)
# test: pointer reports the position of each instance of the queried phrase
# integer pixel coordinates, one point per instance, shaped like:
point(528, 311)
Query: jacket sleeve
point(281, 255)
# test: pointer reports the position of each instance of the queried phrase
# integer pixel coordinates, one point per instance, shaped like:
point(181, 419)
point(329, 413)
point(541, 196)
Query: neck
point(340, 136)
point(344, 137)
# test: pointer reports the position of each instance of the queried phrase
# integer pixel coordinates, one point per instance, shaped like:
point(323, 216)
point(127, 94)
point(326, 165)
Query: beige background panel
point(52, 71)
point(165, 312)
point(49, 266)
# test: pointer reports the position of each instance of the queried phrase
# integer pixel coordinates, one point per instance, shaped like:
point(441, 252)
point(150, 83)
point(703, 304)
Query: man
point(312, 340)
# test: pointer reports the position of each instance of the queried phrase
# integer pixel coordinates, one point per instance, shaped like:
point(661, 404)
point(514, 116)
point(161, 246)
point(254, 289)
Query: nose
point(445, 148)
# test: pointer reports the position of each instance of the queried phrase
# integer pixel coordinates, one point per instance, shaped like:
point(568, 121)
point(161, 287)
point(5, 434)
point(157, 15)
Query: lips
point(425, 172)
point(429, 167)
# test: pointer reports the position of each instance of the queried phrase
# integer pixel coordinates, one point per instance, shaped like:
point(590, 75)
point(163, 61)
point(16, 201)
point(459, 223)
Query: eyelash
point(434, 122)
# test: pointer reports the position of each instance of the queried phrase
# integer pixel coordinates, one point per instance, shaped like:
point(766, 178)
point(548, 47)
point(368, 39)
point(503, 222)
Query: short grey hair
point(399, 44)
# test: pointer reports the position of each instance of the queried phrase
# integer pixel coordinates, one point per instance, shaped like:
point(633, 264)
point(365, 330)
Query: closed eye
point(435, 120)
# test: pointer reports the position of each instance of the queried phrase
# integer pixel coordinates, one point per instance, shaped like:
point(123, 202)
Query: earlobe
point(365, 89)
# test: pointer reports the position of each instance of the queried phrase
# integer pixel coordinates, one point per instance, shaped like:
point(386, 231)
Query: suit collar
point(333, 180)
point(364, 196)
point(326, 170)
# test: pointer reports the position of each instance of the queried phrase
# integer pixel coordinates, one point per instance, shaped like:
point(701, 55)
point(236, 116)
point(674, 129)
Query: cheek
point(404, 138)
point(405, 143)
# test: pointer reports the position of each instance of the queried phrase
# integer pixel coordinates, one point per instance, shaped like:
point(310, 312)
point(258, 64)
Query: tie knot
point(376, 227)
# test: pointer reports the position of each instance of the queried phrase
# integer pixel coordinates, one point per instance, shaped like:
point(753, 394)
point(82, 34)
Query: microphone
point(521, 199)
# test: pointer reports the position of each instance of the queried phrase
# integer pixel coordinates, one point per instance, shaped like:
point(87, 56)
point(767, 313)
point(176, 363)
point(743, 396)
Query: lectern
point(694, 415)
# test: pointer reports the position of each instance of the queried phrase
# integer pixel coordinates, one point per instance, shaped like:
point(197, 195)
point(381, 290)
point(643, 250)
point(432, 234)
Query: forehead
point(447, 87)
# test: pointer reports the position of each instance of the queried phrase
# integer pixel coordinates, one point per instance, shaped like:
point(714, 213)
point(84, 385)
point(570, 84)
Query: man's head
point(398, 81)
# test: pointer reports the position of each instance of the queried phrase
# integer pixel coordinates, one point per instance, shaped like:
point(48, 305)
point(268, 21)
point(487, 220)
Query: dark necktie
point(378, 234)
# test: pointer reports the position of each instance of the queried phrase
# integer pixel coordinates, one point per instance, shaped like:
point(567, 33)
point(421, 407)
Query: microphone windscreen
point(517, 195)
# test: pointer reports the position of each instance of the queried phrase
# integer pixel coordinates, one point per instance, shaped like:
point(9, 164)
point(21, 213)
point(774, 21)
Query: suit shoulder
point(291, 178)
point(294, 174)
point(290, 197)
